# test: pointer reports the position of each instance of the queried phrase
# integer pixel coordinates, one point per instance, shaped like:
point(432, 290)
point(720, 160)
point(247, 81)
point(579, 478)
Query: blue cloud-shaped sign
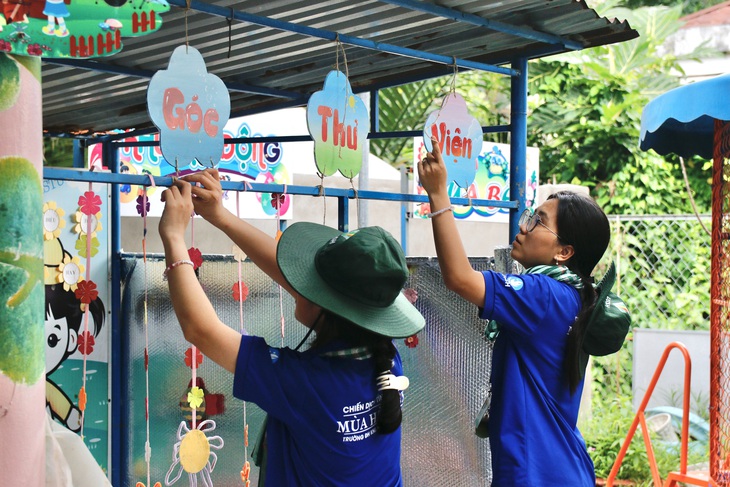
point(338, 122)
point(459, 136)
point(190, 107)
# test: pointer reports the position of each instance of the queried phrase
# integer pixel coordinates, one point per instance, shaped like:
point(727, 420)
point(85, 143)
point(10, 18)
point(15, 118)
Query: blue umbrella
point(682, 120)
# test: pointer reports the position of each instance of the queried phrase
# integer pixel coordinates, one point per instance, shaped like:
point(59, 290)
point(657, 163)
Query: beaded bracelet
point(437, 213)
point(175, 264)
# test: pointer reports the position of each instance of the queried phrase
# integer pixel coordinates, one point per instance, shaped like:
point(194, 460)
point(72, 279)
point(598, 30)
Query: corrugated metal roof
point(267, 68)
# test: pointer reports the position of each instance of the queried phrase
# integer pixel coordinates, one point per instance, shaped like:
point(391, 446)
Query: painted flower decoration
point(89, 203)
point(143, 205)
point(86, 292)
point(81, 246)
point(195, 397)
point(141, 484)
point(278, 200)
point(86, 343)
point(82, 223)
point(196, 256)
point(70, 272)
point(238, 254)
point(53, 220)
point(411, 295)
point(189, 357)
point(240, 291)
point(411, 341)
point(424, 209)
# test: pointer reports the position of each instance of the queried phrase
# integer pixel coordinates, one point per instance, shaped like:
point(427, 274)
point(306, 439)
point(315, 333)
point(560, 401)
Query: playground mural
point(75, 28)
point(70, 210)
point(491, 181)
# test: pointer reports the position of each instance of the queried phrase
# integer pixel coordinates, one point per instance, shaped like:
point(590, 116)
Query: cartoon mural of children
point(56, 10)
point(64, 317)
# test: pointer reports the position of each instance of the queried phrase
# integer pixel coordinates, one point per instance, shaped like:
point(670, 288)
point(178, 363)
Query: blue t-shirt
point(321, 423)
point(533, 435)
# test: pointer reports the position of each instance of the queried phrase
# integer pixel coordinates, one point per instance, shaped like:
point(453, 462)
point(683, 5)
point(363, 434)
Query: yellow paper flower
point(81, 223)
point(53, 220)
point(195, 397)
point(70, 272)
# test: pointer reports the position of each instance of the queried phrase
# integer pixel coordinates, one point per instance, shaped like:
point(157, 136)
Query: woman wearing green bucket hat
point(334, 410)
point(544, 324)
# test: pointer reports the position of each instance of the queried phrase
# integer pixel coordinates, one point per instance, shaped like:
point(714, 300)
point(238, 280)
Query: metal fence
point(663, 266)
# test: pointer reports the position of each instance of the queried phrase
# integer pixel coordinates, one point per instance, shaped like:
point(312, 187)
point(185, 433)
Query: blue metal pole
point(78, 154)
point(119, 338)
point(524, 32)
point(518, 145)
point(225, 12)
point(343, 213)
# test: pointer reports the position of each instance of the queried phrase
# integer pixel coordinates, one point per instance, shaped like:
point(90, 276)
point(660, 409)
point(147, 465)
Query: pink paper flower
point(86, 343)
point(89, 203)
point(411, 341)
point(86, 291)
point(240, 293)
point(189, 357)
point(196, 256)
point(411, 295)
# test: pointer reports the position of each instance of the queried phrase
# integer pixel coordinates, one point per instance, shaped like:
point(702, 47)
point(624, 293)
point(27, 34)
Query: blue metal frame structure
point(111, 143)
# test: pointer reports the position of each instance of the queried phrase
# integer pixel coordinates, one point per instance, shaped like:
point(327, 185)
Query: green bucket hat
point(610, 321)
point(357, 275)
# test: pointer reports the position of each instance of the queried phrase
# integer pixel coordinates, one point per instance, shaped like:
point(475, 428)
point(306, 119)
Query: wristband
point(175, 264)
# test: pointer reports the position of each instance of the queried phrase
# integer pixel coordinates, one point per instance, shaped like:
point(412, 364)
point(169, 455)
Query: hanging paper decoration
point(459, 137)
point(53, 220)
point(196, 256)
point(338, 122)
point(190, 107)
point(240, 291)
point(75, 29)
point(193, 454)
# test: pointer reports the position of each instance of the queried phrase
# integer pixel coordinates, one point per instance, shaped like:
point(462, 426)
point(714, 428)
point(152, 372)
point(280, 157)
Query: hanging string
point(279, 203)
point(246, 466)
point(187, 9)
point(230, 28)
point(82, 392)
point(321, 195)
point(357, 200)
point(194, 349)
point(147, 447)
point(452, 89)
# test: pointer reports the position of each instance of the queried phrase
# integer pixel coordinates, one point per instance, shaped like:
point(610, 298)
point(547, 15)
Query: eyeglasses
point(531, 219)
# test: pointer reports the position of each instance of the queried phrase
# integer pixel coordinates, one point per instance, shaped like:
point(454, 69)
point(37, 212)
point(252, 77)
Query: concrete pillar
point(22, 330)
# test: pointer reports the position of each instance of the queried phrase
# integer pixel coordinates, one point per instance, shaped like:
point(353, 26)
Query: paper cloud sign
point(338, 122)
point(190, 107)
point(459, 136)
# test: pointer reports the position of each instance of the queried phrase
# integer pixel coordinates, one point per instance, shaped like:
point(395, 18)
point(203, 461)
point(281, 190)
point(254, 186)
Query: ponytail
point(573, 351)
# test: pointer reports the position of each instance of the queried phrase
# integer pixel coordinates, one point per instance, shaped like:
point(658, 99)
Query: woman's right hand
point(432, 171)
point(207, 195)
point(177, 212)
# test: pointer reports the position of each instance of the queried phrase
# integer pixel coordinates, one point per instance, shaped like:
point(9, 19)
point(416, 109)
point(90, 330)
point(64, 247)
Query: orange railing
point(696, 478)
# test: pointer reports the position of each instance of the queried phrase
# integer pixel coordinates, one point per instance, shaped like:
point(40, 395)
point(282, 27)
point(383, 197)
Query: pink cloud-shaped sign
point(190, 107)
point(459, 137)
point(338, 122)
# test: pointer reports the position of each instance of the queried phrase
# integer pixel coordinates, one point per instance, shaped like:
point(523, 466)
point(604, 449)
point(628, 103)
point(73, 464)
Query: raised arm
point(258, 246)
point(458, 274)
point(199, 322)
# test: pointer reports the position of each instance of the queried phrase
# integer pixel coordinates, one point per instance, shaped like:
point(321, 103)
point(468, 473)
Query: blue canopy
point(682, 120)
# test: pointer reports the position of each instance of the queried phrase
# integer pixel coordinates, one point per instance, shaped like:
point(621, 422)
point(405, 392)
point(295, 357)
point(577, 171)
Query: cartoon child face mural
point(64, 319)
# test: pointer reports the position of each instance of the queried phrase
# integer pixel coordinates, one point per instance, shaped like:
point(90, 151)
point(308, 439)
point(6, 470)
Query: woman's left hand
point(178, 209)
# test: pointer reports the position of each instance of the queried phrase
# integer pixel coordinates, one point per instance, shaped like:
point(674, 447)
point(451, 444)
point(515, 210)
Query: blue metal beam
point(225, 12)
point(524, 32)
point(143, 180)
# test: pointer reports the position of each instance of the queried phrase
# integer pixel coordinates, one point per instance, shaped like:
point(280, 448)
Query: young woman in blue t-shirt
point(539, 320)
point(334, 410)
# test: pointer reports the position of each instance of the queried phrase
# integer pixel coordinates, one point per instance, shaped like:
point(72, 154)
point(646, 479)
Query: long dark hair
point(582, 224)
point(332, 327)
